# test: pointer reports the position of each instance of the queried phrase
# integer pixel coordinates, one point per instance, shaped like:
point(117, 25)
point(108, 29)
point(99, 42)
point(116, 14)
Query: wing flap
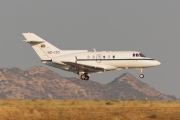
point(85, 67)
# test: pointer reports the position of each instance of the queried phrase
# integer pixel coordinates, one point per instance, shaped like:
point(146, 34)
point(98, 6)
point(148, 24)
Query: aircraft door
point(98, 58)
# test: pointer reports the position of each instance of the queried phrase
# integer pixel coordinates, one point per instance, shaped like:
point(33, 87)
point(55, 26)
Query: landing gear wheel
point(141, 76)
point(87, 77)
point(83, 77)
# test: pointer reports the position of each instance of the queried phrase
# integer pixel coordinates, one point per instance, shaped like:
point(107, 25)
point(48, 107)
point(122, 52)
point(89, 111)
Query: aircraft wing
point(88, 68)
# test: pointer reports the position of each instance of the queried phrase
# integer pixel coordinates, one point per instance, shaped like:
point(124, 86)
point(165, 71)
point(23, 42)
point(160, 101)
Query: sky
point(148, 26)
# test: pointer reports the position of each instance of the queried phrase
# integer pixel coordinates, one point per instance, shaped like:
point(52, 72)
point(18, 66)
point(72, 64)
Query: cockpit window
point(141, 55)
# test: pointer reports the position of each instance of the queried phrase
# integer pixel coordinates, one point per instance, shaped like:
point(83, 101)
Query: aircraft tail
point(45, 50)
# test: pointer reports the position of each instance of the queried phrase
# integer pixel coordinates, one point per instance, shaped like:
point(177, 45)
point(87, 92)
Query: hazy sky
point(149, 26)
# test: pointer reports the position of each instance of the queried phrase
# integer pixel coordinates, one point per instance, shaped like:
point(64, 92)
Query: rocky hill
point(129, 87)
point(42, 83)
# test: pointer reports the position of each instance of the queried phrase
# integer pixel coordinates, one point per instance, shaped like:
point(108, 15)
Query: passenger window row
point(99, 57)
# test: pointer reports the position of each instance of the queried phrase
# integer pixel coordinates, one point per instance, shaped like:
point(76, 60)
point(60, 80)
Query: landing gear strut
point(141, 75)
point(84, 76)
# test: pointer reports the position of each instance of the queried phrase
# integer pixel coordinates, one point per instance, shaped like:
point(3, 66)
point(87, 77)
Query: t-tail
point(45, 50)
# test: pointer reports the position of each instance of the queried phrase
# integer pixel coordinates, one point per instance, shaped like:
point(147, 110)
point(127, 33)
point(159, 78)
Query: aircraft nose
point(155, 63)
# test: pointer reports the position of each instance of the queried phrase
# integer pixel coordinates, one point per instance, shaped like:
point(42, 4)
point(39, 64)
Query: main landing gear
point(84, 76)
point(141, 75)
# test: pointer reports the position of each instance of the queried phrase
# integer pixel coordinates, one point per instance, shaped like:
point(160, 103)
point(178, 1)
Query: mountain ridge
point(41, 83)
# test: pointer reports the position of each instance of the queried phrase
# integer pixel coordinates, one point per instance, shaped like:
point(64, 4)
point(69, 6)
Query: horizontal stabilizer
point(31, 37)
point(35, 41)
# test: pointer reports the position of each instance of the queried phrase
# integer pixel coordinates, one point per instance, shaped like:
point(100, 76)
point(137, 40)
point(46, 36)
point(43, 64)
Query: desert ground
point(89, 109)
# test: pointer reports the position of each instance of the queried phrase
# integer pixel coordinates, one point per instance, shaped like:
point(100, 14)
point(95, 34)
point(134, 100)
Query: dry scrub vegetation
point(89, 110)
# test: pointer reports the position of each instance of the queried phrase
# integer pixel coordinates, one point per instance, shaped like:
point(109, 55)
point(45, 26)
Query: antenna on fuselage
point(94, 49)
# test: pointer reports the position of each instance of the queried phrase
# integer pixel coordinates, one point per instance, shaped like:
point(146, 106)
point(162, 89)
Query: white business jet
point(84, 62)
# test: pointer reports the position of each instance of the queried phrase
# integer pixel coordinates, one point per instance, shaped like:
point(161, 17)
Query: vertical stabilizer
point(45, 50)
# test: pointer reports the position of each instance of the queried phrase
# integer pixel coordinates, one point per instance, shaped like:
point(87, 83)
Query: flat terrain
point(89, 110)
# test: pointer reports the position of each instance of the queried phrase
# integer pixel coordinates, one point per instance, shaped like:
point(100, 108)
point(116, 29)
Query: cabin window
point(134, 55)
point(137, 55)
point(104, 56)
point(88, 56)
point(113, 56)
point(43, 45)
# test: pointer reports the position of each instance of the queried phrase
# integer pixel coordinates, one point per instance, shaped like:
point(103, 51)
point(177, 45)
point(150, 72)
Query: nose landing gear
point(141, 75)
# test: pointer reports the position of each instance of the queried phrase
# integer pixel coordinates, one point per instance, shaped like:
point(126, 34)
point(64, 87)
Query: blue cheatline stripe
point(109, 59)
